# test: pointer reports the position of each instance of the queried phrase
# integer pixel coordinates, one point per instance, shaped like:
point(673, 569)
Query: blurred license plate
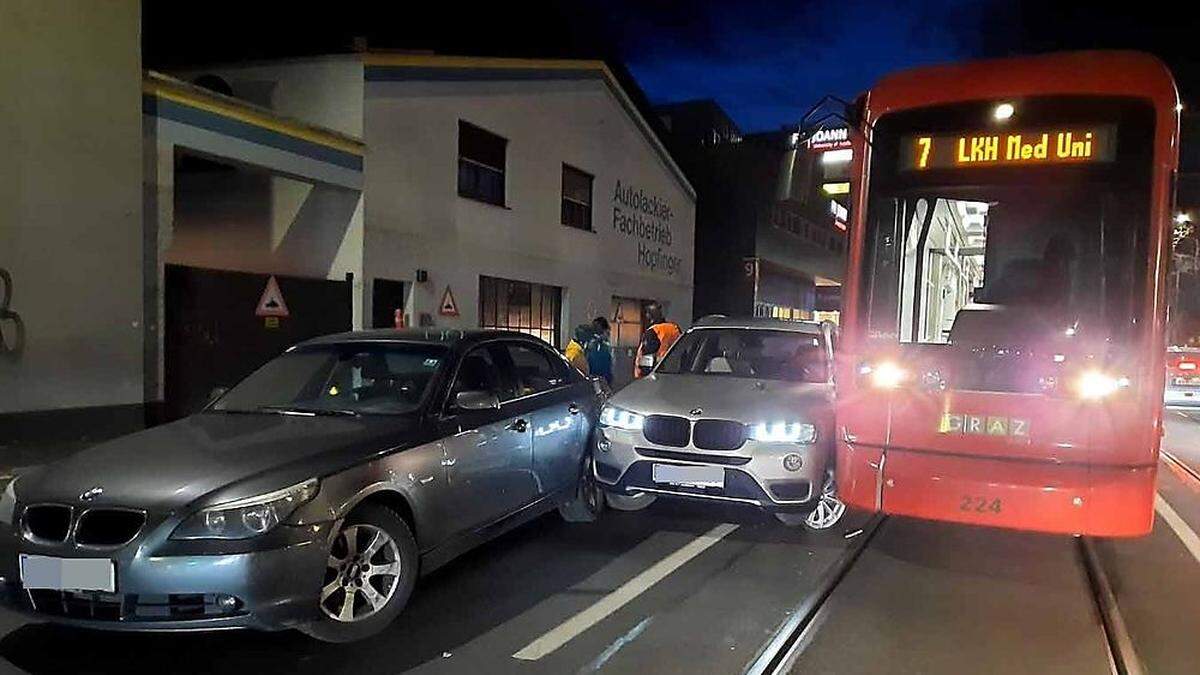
point(68, 574)
point(691, 476)
point(1187, 381)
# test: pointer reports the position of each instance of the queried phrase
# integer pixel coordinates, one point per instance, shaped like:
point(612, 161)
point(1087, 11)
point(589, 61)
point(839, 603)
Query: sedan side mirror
point(477, 400)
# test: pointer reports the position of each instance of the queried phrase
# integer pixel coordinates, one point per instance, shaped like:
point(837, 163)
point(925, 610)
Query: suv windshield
point(339, 379)
point(791, 356)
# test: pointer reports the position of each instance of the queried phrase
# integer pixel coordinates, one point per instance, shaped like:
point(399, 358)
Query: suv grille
point(718, 435)
point(108, 527)
point(48, 522)
point(667, 430)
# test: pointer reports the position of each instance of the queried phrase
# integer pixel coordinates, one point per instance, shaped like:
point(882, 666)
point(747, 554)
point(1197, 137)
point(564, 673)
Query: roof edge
point(164, 86)
point(405, 60)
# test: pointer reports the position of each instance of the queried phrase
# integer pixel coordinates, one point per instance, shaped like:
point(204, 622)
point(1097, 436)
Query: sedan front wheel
point(369, 575)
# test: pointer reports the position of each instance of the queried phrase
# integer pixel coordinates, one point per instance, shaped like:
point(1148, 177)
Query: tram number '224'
point(977, 504)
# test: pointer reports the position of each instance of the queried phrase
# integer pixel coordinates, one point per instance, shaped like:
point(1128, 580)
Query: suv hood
point(732, 398)
point(170, 466)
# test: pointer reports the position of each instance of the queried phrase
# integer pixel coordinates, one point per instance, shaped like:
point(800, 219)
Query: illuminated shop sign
point(829, 139)
point(1075, 145)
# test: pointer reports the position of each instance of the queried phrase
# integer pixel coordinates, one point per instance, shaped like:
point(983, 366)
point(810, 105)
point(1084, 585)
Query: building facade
point(503, 193)
point(770, 229)
point(220, 215)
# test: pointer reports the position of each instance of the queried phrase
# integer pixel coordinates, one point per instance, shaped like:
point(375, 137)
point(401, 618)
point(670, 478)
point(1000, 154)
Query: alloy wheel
point(829, 508)
point(361, 574)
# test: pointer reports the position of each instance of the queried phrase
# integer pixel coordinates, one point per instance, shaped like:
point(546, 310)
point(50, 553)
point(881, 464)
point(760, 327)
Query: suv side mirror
point(216, 393)
point(477, 400)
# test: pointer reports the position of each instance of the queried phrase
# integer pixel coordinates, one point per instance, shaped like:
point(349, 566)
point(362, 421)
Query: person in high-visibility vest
point(657, 339)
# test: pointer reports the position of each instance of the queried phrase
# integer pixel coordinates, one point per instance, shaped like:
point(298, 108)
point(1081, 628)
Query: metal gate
point(214, 337)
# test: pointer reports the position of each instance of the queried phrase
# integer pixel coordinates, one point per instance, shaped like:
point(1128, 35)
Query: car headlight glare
point(8, 502)
point(248, 517)
point(783, 432)
point(1095, 384)
point(620, 418)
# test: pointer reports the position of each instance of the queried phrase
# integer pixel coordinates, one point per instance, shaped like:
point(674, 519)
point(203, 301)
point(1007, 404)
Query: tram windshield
point(967, 242)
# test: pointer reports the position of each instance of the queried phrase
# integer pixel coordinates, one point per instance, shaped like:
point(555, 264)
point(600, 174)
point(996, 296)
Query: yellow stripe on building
point(170, 89)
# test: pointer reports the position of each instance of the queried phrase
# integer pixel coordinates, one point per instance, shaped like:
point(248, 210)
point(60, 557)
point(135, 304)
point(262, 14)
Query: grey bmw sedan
point(312, 494)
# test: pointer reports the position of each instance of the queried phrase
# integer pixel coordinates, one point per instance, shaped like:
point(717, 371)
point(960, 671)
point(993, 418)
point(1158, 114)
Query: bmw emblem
point(696, 412)
point(91, 494)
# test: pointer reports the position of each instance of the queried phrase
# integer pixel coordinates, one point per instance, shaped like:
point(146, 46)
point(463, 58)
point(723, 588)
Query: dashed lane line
point(576, 625)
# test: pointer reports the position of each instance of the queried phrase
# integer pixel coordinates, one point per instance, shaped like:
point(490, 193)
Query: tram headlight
point(883, 375)
point(1095, 384)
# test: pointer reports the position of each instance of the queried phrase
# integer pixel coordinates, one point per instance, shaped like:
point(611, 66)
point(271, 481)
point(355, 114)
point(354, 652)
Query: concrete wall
point(249, 220)
point(71, 202)
point(416, 220)
point(324, 90)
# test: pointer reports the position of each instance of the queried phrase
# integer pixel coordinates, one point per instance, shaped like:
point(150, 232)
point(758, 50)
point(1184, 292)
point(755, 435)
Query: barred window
point(521, 306)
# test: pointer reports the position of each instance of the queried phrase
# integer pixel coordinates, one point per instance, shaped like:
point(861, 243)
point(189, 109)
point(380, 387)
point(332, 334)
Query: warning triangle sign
point(449, 306)
point(271, 303)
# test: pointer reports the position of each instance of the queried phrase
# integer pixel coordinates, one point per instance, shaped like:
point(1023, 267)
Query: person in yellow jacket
point(657, 339)
point(576, 352)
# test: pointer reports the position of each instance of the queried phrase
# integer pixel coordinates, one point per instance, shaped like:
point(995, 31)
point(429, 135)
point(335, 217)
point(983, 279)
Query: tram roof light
point(1003, 112)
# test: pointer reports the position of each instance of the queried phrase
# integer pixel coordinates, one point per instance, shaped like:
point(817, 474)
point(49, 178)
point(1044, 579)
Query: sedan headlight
point(248, 517)
point(620, 418)
point(8, 501)
point(783, 432)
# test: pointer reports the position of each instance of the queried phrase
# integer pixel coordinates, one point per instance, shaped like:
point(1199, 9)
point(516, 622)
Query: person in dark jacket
point(599, 350)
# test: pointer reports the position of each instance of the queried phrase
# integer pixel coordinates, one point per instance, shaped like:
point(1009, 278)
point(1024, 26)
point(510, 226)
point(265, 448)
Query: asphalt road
point(693, 588)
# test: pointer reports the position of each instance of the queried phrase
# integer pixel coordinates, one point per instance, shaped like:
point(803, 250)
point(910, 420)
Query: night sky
point(767, 62)
point(764, 61)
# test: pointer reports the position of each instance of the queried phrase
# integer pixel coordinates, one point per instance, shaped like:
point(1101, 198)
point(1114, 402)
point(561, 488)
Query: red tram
point(1002, 356)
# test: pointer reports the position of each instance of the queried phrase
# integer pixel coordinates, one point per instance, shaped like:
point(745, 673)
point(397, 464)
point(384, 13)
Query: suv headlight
point(249, 517)
point(783, 432)
point(620, 418)
point(8, 501)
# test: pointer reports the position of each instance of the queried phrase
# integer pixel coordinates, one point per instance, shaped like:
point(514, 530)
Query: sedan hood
point(172, 465)
point(720, 397)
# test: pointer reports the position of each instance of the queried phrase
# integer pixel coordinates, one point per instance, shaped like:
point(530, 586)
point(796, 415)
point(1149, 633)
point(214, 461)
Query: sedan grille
point(718, 435)
point(667, 430)
point(132, 607)
point(108, 527)
point(48, 522)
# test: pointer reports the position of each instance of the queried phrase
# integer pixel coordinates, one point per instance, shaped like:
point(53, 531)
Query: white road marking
point(1182, 530)
point(576, 625)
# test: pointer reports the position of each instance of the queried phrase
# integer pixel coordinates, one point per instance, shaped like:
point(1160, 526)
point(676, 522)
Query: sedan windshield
point(346, 379)
point(742, 352)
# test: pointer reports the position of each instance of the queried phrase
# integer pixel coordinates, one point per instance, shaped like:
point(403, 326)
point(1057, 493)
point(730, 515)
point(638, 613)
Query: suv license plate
point(68, 574)
point(689, 476)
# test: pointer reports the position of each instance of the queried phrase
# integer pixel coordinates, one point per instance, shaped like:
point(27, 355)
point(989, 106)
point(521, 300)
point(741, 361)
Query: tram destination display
point(1072, 145)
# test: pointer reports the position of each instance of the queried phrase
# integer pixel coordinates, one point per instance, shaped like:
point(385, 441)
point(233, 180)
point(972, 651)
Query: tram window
point(941, 267)
point(1053, 256)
